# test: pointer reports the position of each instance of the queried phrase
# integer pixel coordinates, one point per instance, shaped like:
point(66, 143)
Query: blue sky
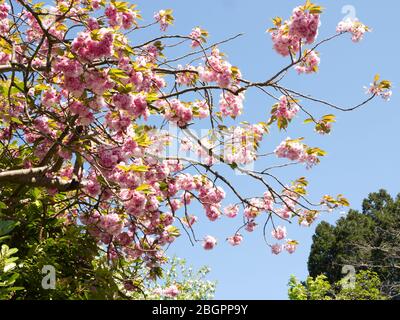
point(363, 149)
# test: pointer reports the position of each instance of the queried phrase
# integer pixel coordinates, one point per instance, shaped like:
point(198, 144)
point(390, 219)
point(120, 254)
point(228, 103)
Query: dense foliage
point(366, 286)
point(366, 240)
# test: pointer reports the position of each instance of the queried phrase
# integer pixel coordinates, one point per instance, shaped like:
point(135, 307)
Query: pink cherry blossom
point(231, 211)
point(283, 42)
point(304, 25)
point(309, 63)
point(279, 233)
point(162, 17)
point(290, 246)
point(172, 291)
point(235, 240)
point(209, 242)
point(276, 248)
point(355, 27)
point(250, 226)
point(89, 49)
point(286, 108)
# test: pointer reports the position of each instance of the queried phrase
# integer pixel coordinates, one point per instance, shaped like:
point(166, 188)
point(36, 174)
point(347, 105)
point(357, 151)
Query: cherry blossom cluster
point(90, 46)
point(198, 36)
point(309, 63)
point(290, 246)
point(125, 19)
point(301, 27)
point(297, 151)
point(380, 88)
point(240, 142)
point(286, 108)
point(355, 27)
point(218, 70)
point(164, 18)
point(4, 27)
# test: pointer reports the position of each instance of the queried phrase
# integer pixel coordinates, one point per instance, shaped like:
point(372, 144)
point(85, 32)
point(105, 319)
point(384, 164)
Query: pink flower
point(69, 67)
point(235, 240)
point(304, 25)
point(4, 9)
point(93, 24)
point(116, 18)
point(231, 211)
point(93, 187)
point(164, 18)
point(111, 224)
point(74, 85)
point(4, 58)
point(189, 222)
point(286, 109)
point(197, 36)
point(88, 49)
point(379, 90)
point(284, 43)
point(290, 246)
point(95, 4)
point(171, 291)
point(186, 78)
point(178, 112)
point(85, 115)
point(279, 233)
point(250, 226)
point(284, 212)
point(128, 19)
point(50, 98)
point(231, 105)
point(356, 28)
point(268, 201)
point(209, 242)
point(98, 82)
point(276, 249)
point(294, 150)
point(309, 63)
point(212, 212)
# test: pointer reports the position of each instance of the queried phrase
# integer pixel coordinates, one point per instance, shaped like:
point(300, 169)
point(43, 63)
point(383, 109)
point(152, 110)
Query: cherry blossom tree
point(92, 119)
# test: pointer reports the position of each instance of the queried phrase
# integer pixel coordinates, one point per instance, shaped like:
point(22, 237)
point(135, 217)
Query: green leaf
point(118, 73)
point(6, 226)
point(133, 167)
point(9, 267)
point(16, 120)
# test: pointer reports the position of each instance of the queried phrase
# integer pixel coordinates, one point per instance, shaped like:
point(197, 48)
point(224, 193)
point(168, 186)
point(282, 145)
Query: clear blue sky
point(363, 149)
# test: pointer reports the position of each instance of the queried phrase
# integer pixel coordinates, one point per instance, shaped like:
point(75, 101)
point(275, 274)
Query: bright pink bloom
point(286, 109)
point(284, 43)
point(304, 25)
point(356, 28)
point(162, 18)
point(235, 240)
point(276, 249)
point(209, 242)
point(4, 58)
point(87, 48)
point(279, 233)
point(290, 246)
point(309, 63)
point(231, 211)
point(172, 291)
point(231, 105)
